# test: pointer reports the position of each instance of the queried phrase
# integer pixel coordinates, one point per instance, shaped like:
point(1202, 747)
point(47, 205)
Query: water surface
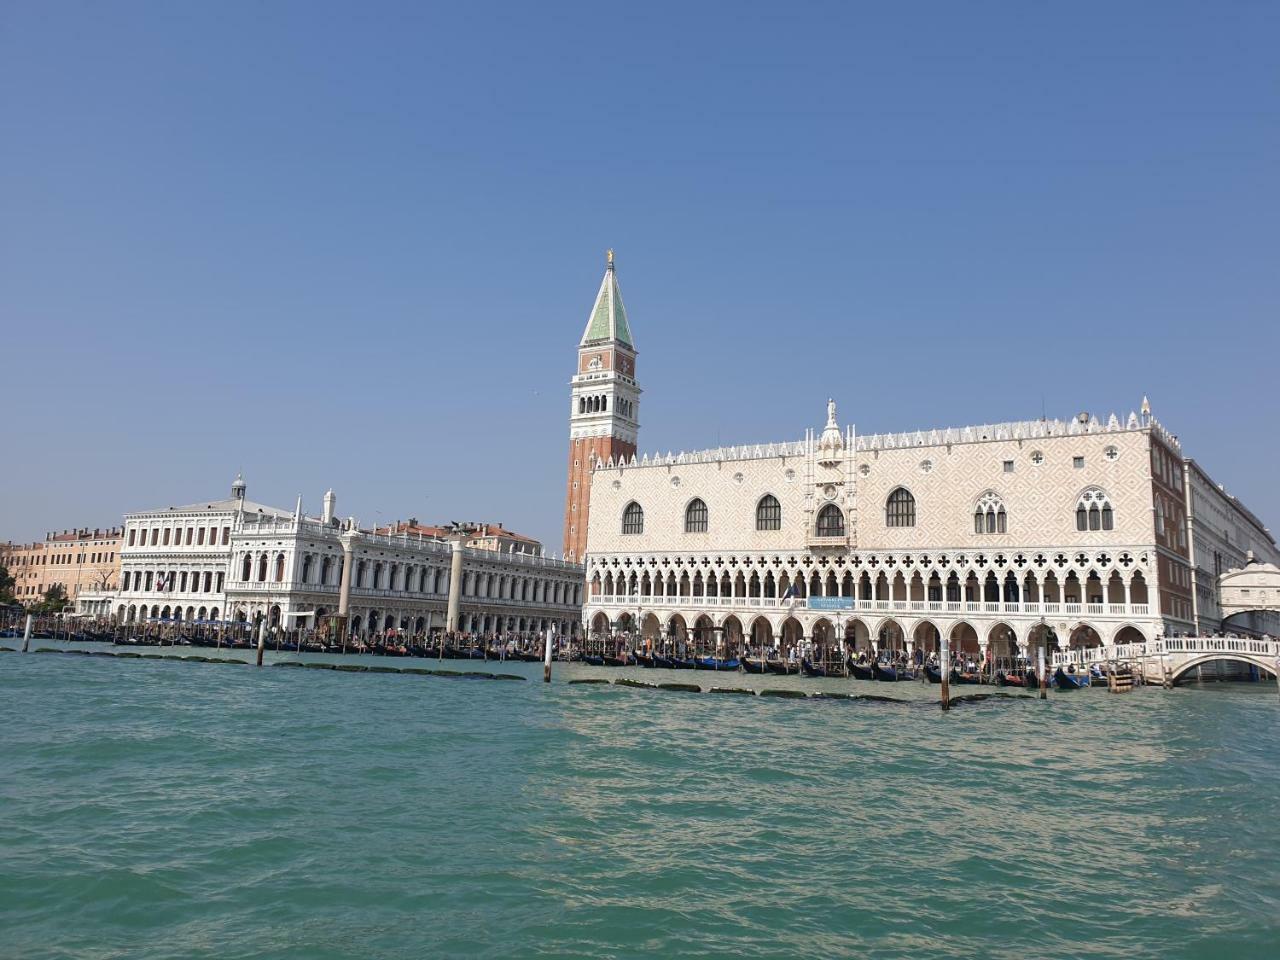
point(157, 809)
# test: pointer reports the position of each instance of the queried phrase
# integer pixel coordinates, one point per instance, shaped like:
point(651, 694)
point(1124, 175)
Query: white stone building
point(993, 535)
point(1224, 535)
point(174, 560)
point(290, 570)
point(236, 560)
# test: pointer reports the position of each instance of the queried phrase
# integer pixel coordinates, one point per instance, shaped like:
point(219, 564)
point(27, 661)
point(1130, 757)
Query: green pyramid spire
point(608, 320)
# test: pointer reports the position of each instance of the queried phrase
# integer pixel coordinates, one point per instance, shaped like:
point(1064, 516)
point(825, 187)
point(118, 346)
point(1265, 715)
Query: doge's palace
point(1002, 537)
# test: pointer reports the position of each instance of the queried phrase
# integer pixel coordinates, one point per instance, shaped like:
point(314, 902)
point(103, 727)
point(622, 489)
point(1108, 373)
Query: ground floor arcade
point(831, 636)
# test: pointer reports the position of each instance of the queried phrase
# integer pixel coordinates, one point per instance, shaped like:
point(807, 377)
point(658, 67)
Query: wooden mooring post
point(1044, 679)
point(944, 656)
point(262, 638)
point(26, 636)
point(546, 659)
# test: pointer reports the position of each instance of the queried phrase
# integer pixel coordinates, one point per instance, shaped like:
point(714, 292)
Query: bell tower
point(604, 405)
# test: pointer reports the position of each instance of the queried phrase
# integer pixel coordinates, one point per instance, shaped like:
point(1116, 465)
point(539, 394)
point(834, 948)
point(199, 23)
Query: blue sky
point(354, 245)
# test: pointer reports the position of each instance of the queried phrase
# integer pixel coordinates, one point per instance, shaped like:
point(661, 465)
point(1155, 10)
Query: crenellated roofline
point(1012, 430)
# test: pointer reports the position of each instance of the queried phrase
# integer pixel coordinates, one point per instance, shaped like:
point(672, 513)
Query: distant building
point(488, 536)
point(79, 561)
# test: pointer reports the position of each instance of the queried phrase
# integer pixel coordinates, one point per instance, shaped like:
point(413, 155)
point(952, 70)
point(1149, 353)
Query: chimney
point(330, 501)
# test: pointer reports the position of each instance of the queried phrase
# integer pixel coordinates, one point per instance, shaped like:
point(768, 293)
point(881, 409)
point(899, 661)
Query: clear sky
point(354, 245)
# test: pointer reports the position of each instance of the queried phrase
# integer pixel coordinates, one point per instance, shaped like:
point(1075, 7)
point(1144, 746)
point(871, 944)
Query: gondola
point(812, 669)
point(755, 666)
point(622, 661)
point(1010, 679)
point(1070, 681)
point(783, 667)
point(643, 660)
point(592, 660)
point(682, 663)
point(859, 671)
point(973, 679)
point(934, 674)
point(888, 674)
point(661, 662)
point(717, 663)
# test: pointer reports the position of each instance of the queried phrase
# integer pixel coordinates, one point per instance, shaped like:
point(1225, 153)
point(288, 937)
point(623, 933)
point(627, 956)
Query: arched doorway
point(761, 635)
point(704, 635)
point(731, 635)
point(926, 639)
point(890, 637)
point(964, 640)
point(792, 635)
point(857, 638)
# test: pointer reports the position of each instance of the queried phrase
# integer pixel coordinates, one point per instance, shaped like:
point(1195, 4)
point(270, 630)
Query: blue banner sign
point(831, 603)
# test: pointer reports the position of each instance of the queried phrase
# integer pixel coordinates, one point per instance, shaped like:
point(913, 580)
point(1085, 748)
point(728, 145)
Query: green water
point(159, 809)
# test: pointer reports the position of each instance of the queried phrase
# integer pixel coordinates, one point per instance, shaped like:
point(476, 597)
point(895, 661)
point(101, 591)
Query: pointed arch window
point(768, 513)
point(989, 515)
point(900, 509)
point(830, 522)
point(633, 518)
point(1093, 511)
point(695, 516)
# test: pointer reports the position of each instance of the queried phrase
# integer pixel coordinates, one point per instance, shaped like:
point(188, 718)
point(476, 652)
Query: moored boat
point(812, 669)
point(860, 671)
point(1070, 681)
point(887, 673)
point(1010, 679)
point(755, 666)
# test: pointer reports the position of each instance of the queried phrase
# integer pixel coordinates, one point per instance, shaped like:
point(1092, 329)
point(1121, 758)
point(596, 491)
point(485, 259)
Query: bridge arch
point(1265, 669)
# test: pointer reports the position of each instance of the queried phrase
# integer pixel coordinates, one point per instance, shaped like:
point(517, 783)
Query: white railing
point(1172, 646)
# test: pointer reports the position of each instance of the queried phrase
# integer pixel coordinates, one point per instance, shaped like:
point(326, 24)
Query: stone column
point(455, 586)
point(348, 540)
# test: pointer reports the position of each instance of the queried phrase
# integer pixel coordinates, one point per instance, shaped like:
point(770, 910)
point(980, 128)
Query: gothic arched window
point(830, 522)
point(633, 518)
point(768, 513)
point(989, 515)
point(1093, 511)
point(695, 517)
point(900, 509)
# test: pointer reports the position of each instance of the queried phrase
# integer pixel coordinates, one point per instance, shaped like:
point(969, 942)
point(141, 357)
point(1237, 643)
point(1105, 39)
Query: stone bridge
point(1178, 659)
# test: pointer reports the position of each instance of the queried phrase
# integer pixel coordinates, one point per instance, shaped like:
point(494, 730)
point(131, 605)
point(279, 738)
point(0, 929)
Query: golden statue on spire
point(610, 256)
